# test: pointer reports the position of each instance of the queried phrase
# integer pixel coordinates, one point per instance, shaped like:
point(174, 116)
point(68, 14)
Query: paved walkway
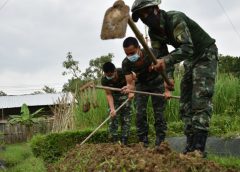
point(215, 145)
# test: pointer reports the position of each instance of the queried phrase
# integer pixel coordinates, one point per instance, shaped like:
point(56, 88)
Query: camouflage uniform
point(124, 114)
point(200, 55)
point(150, 81)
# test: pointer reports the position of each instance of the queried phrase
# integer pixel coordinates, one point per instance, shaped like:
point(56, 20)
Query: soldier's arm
point(130, 79)
point(161, 50)
point(109, 98)
point(110, 102)
point(130, 85)
point(185, 51)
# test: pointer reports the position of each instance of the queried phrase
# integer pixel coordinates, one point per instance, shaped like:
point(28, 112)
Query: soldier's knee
point(201, 122)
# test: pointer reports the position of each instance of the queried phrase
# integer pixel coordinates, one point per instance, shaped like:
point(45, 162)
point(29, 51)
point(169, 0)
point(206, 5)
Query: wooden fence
point(17, 133)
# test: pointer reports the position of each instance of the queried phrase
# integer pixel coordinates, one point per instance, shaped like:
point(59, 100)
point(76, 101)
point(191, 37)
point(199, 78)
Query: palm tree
point(26, 118)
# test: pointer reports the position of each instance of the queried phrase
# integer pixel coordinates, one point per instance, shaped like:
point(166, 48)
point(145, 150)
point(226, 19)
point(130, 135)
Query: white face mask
point(133, 58)
point(110, 77)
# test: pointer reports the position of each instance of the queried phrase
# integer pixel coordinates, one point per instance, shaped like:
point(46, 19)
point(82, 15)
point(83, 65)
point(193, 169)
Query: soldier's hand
point(160, 66)
point(112, 113)
point(167, 94)
point(127, 89)
point(130, 96)
point(150, 68)
point(169, 87)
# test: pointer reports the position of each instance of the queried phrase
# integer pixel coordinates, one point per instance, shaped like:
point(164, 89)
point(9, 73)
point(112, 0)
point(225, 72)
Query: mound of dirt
point(134, 158)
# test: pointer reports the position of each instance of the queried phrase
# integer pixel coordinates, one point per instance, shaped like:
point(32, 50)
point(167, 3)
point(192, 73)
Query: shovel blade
point(115, 21)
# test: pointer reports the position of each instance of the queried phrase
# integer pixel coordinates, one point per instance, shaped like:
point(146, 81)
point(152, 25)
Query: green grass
point(226, 161)
point(19, 158)
point(95, 116)
point(226, 106)
point(225, 126)
point(15, 153)
point(30, 164)
point(227, 95)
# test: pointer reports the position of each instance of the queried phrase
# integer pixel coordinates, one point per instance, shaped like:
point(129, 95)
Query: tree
point(229, 64)
point(74, 71)
point(47, 89)
point(2, 93)
point(71, 85)
point(26, 118)
point(71, 67)
point(94, 71)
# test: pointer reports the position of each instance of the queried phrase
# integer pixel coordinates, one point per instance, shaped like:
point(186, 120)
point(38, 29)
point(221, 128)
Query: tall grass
point(95, 116)
point(227, 94)
point(225, 102)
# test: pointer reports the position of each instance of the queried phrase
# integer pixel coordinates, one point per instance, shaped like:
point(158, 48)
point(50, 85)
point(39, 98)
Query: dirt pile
point(134, 158)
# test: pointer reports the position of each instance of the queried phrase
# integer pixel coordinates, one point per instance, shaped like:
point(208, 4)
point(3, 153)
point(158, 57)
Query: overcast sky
point(35, 36)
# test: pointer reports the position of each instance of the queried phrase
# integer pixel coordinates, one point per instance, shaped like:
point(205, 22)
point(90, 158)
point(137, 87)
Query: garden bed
point(116, 157)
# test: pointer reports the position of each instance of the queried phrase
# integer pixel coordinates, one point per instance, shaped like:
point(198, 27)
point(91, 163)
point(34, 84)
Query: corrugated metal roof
point(32, 100)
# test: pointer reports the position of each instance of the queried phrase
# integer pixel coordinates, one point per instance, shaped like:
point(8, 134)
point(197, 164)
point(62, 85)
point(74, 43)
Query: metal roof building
point(32, 100)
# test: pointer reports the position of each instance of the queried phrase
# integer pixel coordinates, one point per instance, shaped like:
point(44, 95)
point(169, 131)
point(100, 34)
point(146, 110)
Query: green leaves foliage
point(25, 117)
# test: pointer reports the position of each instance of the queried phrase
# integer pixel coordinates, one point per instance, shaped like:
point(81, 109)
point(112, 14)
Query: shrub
point(52, 146)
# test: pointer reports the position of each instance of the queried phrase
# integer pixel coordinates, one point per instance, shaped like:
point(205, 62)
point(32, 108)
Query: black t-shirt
point(142, 68)
point(118, 83)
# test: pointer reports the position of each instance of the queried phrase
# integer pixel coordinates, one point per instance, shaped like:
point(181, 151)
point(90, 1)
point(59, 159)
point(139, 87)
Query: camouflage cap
point(140, 4)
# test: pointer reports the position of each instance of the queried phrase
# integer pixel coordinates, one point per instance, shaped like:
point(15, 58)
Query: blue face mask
point(133, 58)
point(110, 77)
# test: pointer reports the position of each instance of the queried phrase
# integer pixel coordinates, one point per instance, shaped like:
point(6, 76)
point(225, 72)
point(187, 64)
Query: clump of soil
point(132, 158)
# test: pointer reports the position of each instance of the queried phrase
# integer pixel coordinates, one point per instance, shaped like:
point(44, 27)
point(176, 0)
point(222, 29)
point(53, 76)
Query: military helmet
point(140, 4)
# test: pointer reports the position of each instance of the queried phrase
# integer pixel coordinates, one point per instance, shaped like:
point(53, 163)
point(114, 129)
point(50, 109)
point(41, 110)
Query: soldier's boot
point(144, 140)
point(189, 145)
point(159, 140)
point(199, 142)
point(124, 140)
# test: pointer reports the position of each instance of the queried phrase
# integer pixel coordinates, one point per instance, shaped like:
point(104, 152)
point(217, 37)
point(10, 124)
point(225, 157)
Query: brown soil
point(134, 158)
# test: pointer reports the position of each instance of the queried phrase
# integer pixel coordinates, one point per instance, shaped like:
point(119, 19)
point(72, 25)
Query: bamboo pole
point(138, 92)
point(140, 37)
point(90, 135)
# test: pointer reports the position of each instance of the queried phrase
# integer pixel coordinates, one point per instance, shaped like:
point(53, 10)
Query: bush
point(52, 146)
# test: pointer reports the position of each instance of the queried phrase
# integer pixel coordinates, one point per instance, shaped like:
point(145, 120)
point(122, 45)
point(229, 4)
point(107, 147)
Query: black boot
point(189, 146)
point(159, 140)
point(124, 141)
point(144, 140)
point(199, 142)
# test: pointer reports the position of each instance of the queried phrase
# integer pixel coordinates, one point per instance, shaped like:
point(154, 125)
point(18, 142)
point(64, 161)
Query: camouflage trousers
point(158, 104)
point(123, 117)
point(197, 89)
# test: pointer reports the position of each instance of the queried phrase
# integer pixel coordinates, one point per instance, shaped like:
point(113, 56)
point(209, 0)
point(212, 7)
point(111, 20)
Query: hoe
point(115, 25)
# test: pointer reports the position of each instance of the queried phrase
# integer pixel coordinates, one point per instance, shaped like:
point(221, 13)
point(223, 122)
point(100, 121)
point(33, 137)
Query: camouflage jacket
point(185, 35)
point(142, 67)
point(118, 83)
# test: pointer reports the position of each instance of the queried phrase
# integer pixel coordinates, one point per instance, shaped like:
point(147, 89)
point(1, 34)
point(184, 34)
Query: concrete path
point(215, 145)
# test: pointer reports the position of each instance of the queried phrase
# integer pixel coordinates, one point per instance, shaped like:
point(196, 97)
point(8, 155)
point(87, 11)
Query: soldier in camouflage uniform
point(148, 80)
point(200, 55)
point(114, 78)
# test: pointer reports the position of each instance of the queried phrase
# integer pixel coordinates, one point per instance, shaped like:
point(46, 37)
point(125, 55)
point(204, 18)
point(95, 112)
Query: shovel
point(115, 25)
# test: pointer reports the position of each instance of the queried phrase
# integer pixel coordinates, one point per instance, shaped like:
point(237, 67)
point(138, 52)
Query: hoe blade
point(115, 21)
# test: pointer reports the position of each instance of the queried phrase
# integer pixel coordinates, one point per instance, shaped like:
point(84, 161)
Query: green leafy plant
point(26, 118)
